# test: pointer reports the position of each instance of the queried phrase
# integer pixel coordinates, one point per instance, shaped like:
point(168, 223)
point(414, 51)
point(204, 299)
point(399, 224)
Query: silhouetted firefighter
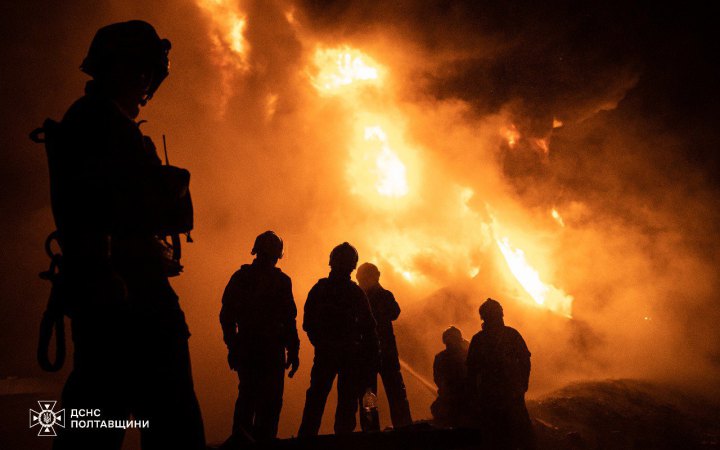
point(112, 200)
point(258, 321)
point(341, 327)
point(452, 408)
point(385, 310)
point(499, 370)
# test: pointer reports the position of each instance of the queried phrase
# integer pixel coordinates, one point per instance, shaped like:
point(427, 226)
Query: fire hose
point(427, 384)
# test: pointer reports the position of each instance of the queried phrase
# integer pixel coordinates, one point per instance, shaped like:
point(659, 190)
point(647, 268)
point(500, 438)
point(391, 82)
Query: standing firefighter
point(341, 327)
point(451, 408)
point(258, 322)
point(385, 310)
point(499, 370)
point(112, 200)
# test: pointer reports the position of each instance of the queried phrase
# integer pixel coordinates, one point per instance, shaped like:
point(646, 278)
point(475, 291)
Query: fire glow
point(384, 170)
point(391, 180)
point(543, 294)
point(341, 67)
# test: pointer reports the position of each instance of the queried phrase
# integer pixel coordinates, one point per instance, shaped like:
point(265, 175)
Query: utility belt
point(172, 216)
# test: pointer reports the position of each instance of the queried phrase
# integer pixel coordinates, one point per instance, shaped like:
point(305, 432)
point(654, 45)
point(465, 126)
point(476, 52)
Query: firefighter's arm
point(524, 361)
point(292, 342)
point(310, 316)
point(368, 326)
point(473, 367)
point(436, 371)
point(228, 320)
point(392, 307)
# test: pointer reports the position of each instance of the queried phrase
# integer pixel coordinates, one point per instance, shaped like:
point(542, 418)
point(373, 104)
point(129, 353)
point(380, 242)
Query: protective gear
point(491, 310)
point(498, 366)
point(452, 408)
point(135, 45)
point(258, 321)
point(269, 244)
point(344, 257)
point(129, 333)
point(385, 310)
point(368, 271)
point(452, 336)
point(341, 327)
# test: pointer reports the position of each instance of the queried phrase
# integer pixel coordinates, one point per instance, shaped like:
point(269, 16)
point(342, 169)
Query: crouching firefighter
point(258, 322)
point(114, 203)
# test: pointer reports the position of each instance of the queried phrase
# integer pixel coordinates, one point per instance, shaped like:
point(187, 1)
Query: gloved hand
point(233, 358)
point(293, 362)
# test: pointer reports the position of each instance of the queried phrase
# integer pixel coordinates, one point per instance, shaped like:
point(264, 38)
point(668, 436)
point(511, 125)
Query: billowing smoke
point(558, 157)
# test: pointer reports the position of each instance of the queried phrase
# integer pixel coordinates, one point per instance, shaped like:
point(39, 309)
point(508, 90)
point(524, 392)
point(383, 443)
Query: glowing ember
point(343, 66)
point(558, 218)
point(557, 123)
point(545, 295)
point(542, 144)
point(237, 41)
point(290, 16)
point(511, 135)
point(391, 179)
point(271, 106)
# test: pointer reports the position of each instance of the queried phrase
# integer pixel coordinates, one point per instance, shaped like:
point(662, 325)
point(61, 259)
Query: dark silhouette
point(341, 327)
point(499, 370)
point(258, 322)
point(112, 200)
point(452, 408)
point(385, 310)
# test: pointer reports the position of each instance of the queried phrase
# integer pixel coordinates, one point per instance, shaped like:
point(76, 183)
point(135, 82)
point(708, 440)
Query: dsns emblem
point(47, 418)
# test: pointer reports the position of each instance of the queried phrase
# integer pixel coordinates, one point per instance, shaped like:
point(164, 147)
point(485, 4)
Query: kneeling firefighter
point(114, 203)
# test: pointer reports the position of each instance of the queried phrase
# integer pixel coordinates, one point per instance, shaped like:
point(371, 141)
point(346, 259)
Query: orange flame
point(391, 179)
point(344, 66)
point(230, 48)
point(543, 145)
point(511, 135)
point(543, 294)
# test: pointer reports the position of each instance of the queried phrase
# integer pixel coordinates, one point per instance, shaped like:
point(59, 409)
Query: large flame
point(545, 295)
point(391, 180)
point(343, 66)
point(377, 169)
point(381, 163)
point(376, 166)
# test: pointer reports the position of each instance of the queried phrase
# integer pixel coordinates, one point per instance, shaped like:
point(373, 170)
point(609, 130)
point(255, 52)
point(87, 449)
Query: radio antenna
point(167, 161)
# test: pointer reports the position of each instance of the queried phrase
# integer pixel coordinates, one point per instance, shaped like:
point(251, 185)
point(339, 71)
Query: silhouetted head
point(368, 276)
point(452, 337)
point(268, 247)
point(344, 258)
point(128, 60)
point(491, 312)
